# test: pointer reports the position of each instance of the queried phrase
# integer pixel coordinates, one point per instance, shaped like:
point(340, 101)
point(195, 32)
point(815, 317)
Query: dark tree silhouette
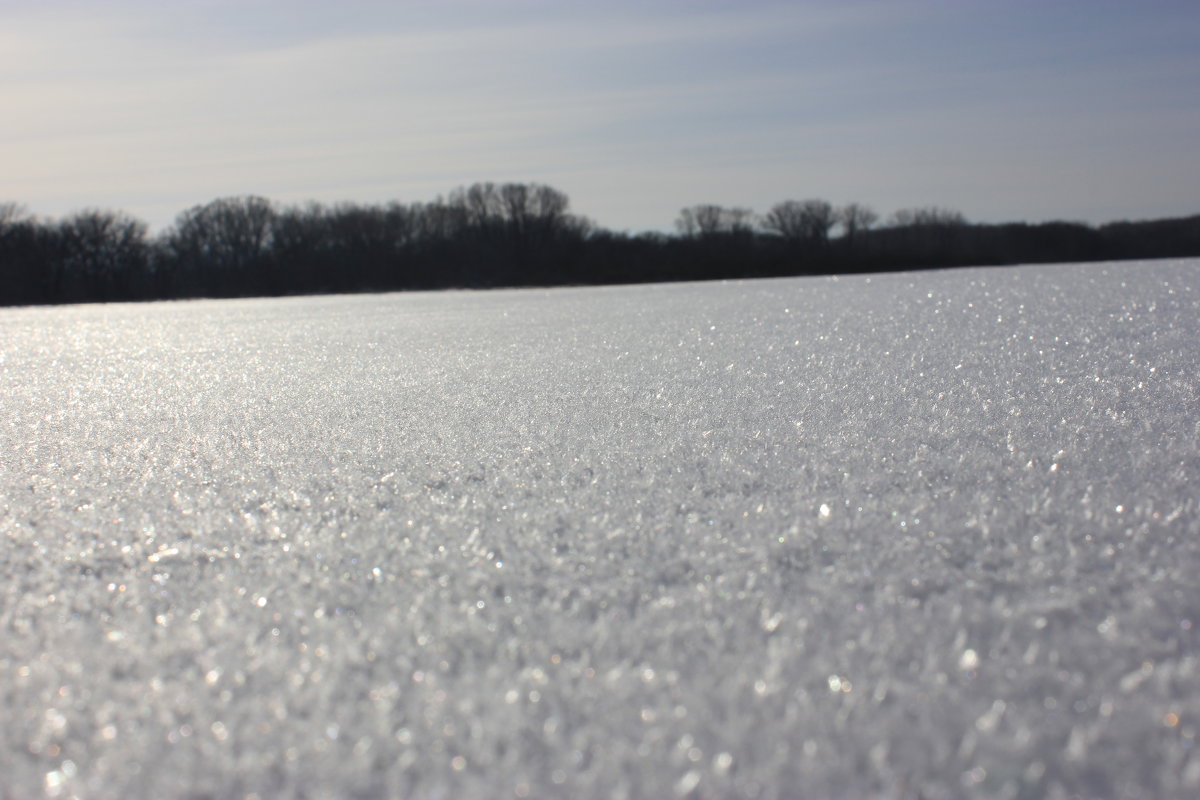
point(22, 266)
point(221, 248)
point(854, 218)
point(101, 255)
point(926, 216)
point(511, 234)
point(708, 220)
point(807, 221)
point(302, 250)
point(12, 214)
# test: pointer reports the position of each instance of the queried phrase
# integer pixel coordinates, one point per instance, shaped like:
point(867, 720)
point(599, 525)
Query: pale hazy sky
point(1005, 110)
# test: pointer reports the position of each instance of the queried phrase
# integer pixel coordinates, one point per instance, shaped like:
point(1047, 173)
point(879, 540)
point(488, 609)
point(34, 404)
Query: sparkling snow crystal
point(913, 535)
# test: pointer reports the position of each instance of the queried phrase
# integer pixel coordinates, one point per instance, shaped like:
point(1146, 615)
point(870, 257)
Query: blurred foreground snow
point(918, 535)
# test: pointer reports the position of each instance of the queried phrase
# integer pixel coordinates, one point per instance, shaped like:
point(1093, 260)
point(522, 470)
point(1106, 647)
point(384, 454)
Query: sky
point(1004, 110)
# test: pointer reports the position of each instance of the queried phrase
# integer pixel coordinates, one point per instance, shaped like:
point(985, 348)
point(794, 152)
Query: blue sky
point(1004, 110)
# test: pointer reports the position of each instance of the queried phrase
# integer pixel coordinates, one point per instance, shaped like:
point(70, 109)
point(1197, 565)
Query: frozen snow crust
point(907, 536)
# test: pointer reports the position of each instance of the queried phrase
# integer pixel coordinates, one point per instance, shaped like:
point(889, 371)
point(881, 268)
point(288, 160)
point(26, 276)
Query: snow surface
point(909, 536)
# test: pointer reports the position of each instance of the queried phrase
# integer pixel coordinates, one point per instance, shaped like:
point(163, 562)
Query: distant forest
point(514, 234)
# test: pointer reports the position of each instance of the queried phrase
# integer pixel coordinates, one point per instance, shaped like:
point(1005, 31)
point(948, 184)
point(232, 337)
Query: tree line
point(512, 234)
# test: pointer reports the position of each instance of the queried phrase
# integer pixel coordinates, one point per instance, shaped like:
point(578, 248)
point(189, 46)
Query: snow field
point(917, 535)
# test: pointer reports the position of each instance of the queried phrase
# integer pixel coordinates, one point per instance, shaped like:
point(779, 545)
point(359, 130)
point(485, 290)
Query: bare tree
point(520, 212)
point(440, 220)
point(710, 220)
point(482, 206)
point(228, 233)
point(686, 223)
point(818, 217)
point(12, 214)
point(543, 214)
point(222, 248)
point(927, 216)
point(24, 277)
point(855, 217)
point(737, 220)
point(548, 206)
point(786, 220)
point(517, 200)
point(100, 254)
point(801, 220)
